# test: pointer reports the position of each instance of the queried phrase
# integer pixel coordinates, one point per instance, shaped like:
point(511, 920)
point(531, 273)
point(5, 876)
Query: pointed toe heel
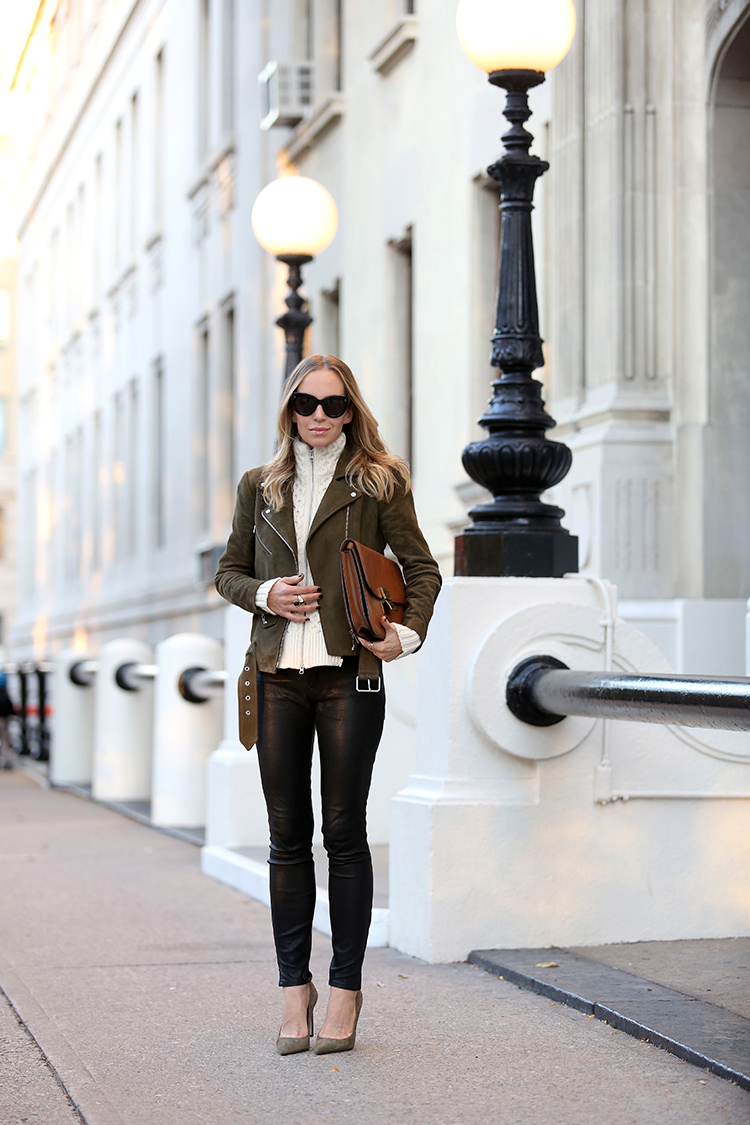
point(296, 1044)
point(333, 1046)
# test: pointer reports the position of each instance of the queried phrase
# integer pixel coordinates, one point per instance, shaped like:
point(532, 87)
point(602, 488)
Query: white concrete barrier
point(580, 833)
point(185, 733)
point(72, 757)
point(123, 726)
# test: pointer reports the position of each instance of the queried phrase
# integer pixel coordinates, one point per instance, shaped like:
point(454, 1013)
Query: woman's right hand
point(287, 598)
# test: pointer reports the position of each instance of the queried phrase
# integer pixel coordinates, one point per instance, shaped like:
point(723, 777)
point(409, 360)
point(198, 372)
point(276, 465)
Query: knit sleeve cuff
point(410, 641)
point(261, 597)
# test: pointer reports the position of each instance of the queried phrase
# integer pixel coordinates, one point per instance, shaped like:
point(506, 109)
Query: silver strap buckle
point(367, 689)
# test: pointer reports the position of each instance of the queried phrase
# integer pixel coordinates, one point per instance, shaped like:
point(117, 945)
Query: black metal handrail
point(542, 691)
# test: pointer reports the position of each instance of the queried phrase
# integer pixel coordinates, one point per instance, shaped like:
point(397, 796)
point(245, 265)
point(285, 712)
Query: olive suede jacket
point(263, 545)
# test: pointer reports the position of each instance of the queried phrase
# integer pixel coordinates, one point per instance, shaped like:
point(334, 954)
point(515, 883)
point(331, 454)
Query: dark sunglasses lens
point(304, 404)
point(335, 405)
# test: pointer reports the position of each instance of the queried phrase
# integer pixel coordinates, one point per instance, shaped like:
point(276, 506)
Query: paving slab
point(153, 991)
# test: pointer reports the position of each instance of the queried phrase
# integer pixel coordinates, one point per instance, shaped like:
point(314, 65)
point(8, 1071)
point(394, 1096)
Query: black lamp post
point(294, 218)
point(296, 320)
point(516, 533)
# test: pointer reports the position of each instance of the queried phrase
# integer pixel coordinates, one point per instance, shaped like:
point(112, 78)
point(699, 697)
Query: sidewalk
point(152, 992)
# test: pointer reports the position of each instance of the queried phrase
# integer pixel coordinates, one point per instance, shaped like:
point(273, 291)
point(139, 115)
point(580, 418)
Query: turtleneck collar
point(324, 456)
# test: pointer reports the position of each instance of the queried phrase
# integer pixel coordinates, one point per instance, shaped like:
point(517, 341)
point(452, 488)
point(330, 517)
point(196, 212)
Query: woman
point(332, 478)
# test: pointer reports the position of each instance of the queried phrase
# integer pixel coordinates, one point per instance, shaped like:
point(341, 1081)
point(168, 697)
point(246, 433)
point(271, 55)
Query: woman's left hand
point(387, 649)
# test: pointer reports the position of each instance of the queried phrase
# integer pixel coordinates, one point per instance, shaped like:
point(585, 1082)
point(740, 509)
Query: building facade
point(150, 365)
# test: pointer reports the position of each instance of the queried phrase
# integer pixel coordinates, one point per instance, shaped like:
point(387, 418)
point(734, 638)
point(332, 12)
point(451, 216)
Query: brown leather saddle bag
point(373, 585)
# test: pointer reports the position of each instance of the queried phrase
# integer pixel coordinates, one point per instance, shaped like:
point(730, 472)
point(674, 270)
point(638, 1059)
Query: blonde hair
point(372, 469)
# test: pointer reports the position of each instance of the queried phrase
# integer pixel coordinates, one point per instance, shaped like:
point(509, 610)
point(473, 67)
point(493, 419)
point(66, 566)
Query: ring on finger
point(299, 600)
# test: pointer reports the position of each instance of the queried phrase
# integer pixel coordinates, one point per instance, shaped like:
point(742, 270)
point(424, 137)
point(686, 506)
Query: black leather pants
point(292, 707)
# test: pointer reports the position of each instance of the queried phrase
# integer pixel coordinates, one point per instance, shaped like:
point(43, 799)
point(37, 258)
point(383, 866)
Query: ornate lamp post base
point(517, 534)
point(518, 554)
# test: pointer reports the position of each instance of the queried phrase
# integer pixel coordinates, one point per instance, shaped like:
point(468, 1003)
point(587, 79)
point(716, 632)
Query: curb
point(638, 1007)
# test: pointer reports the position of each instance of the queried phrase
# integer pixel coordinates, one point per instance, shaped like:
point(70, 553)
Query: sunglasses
point(333, 405)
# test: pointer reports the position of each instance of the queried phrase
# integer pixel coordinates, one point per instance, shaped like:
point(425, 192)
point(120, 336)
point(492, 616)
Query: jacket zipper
point(296, 566)
point(309, 525)
point(281, 537)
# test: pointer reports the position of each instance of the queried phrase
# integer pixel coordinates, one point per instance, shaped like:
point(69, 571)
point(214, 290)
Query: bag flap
point(375, 571)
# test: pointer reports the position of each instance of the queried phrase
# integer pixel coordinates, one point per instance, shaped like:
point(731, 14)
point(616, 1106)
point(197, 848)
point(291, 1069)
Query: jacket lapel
point(338, 494)
point(282, 523)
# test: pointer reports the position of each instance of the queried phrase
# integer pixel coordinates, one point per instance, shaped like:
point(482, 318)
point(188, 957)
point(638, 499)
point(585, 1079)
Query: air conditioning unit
point(208, 561)
point(286, 93)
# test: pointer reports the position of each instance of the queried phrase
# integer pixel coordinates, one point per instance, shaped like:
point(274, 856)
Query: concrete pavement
point(152, 992)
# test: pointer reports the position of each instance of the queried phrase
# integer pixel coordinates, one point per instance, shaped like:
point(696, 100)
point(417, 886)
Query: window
point(118, 475)
point(54, 280)
point(97, 234)
point(72, 505)
point(158, 451)
point(328, 320)
point(226, 418)
point(134, 180)
point(71, 267)
point(28, 512)
point(118, 191)
point(228, 69)
point(201, 430)
point(158, 136)
point(97, 486)
point(403, 343)
point(5, 313)
point(486, 259)
point(338, 39)
point(204, 77)
point(3, 426)
point(81, 239)
point(131, 466)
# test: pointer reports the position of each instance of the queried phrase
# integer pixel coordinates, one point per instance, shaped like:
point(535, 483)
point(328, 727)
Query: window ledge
point(209, 166)
point(396, 45)
point(310, 131)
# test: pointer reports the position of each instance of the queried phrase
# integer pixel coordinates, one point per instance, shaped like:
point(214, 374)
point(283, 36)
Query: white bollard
point(123, 726)
point(235, 809)
point(185, 734)
point(71, 761)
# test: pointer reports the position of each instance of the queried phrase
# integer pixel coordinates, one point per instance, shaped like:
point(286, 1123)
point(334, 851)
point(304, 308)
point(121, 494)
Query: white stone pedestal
point(72, 755)
point(123, 726)
point(184, 733)
point(581, 833)
point(235, 809)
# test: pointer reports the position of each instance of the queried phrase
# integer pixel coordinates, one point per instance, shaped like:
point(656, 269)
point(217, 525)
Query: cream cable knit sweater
point(303, 645)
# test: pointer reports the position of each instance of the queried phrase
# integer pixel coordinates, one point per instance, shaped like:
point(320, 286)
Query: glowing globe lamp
point(294, 215)
point(516, 34)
